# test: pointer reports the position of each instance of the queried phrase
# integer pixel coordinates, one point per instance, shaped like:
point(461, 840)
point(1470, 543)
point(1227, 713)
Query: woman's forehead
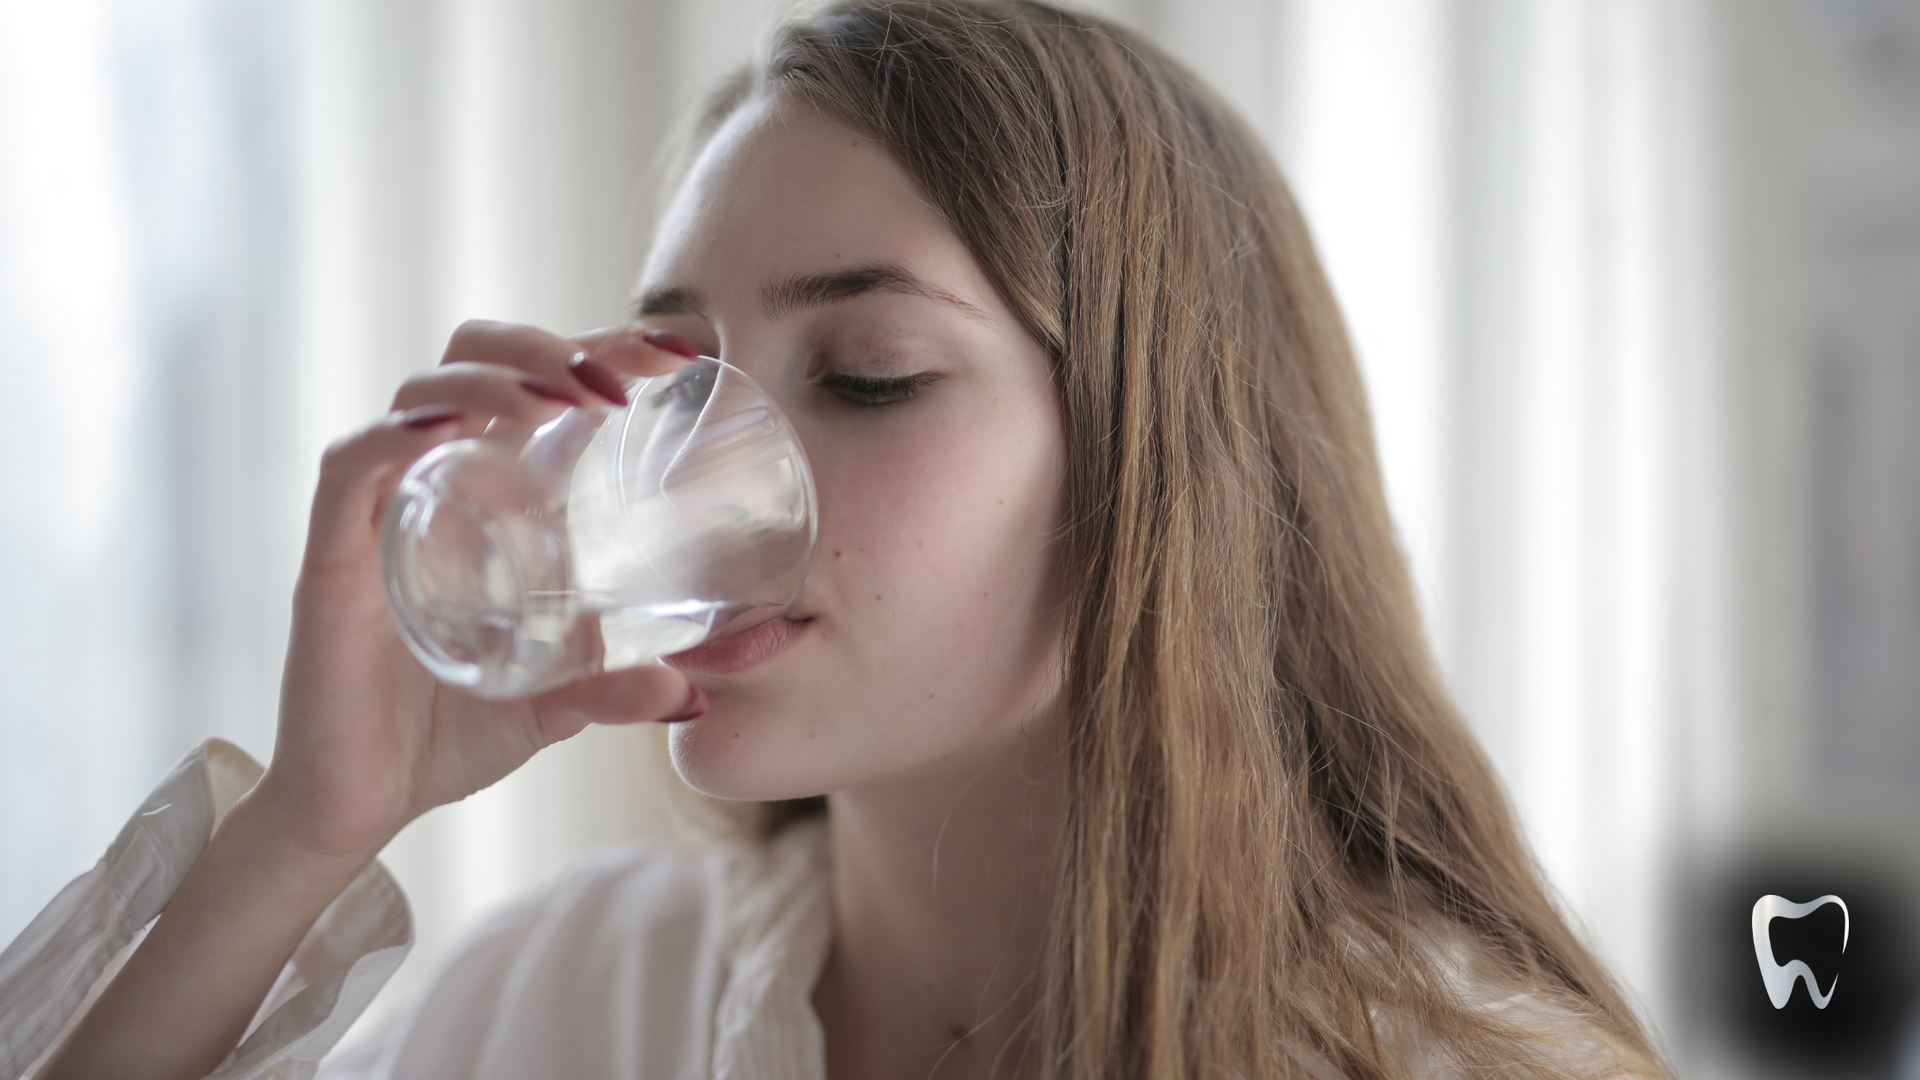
point(784, 189)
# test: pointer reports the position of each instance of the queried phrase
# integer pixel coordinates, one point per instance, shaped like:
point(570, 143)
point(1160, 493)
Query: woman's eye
point(689, 388)
point(870, 390)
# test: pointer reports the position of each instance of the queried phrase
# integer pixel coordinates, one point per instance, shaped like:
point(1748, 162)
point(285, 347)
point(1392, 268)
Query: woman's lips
point(740, 652)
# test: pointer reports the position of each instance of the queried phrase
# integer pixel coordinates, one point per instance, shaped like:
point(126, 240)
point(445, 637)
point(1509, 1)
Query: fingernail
point(696, 707)
point(671, 342)
point(542, 388)
point(598, 379)
point(429, 416)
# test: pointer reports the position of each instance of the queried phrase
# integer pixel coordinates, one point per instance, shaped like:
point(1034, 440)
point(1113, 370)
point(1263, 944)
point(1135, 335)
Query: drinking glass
point(610, 537)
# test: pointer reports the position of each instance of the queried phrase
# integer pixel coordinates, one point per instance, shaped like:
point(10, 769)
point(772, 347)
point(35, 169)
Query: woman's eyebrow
point(670, 301)
point(815, 290)
point(809, 290)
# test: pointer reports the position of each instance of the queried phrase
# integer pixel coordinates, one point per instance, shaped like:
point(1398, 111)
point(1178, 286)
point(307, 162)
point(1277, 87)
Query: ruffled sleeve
point(51, 974)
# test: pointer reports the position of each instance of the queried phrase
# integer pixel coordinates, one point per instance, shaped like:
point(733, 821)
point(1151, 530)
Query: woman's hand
point(368, 739)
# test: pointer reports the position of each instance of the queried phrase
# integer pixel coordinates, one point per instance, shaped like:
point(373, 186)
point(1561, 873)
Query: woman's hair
point(1282, 845)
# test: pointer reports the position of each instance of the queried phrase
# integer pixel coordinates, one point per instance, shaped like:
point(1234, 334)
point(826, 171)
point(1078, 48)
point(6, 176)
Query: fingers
point(519, 375)
point(634, 350)
point(487, 390)
point(619, 697)
point(553, 365)
point(589, 367)
point(548, 357)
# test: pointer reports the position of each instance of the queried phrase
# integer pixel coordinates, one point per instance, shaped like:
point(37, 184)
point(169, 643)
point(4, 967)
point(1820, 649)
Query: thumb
point(632, 695)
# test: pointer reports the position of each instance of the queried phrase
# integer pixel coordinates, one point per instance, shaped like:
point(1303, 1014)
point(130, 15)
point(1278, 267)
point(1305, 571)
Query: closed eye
point(870, 390)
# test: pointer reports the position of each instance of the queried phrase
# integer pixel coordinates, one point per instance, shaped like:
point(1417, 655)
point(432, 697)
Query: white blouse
point(656, 960)
point(650, 961)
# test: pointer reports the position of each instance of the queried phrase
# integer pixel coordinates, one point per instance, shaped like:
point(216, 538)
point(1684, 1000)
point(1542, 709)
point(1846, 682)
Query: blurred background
point(1635, 283)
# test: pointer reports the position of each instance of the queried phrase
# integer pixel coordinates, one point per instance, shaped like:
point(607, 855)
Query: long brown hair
point(1284, 851)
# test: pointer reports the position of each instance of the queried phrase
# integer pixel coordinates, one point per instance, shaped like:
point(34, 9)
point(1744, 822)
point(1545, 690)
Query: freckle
point(929, 697)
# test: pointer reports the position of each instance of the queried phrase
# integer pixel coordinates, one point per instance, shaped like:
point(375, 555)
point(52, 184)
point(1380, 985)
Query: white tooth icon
point(1781, 977)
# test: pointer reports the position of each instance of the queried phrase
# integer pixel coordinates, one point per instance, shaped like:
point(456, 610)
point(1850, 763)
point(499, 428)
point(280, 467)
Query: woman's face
point(928, 634)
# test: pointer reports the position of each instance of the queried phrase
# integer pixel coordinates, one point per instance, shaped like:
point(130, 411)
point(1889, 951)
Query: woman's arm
point(367, 739)
point(183, 1001)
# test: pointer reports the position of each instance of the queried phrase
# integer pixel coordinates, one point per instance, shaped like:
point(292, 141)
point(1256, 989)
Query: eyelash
point(867, 391)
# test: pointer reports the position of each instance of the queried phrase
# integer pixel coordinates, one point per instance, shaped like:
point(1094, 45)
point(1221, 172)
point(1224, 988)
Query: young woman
point(1134, 763)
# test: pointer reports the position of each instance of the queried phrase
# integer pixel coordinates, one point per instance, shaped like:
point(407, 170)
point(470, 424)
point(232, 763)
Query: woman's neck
point(942, 885)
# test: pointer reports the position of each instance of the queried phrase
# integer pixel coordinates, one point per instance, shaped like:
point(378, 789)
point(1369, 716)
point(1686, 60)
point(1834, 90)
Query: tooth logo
point(1781, 977)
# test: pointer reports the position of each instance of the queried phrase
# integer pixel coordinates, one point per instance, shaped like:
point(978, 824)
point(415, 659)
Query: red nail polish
point(430, 416)
point(671, 342)
point(542, 388)
point(598, 379)
point(696, 707)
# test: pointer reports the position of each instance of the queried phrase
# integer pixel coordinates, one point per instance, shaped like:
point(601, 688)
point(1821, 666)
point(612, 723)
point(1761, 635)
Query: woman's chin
point(721, 761)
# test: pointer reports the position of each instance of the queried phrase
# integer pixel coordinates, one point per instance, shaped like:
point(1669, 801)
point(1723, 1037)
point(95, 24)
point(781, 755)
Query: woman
point(1134, 761)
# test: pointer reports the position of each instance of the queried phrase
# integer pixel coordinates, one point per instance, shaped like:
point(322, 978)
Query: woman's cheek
point(923, 513)
point(952, 543)
point(929, 586)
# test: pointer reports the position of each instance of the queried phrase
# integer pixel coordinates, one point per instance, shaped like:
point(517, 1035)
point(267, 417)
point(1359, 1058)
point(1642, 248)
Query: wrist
point(260, 829)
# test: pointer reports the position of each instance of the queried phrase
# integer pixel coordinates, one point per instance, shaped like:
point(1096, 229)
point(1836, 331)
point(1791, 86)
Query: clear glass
point(609, 538)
